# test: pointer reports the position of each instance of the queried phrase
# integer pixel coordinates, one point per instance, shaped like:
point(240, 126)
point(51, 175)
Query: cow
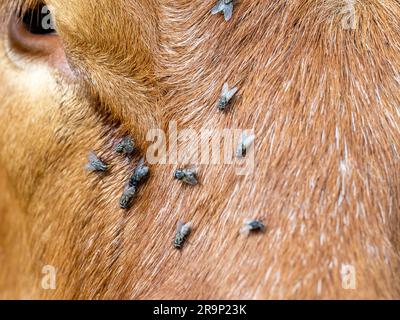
point(317, 87)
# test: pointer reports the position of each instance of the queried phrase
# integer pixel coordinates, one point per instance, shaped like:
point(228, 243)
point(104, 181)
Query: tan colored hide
point(323, 101)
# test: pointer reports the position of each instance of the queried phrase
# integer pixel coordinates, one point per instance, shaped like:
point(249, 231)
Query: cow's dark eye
point(39, 20)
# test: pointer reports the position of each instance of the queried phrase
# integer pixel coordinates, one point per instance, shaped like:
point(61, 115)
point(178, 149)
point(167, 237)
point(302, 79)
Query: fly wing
point(247, 221)
point(191, 179)
point(89, 167)
point(225, 90)
point(187, 228)
point(139, 167)
point(140, 163)
point(92, 157)
point(245, 230)
point(248, 141)
point(191, 176)
point(218, 7)
point(228, 11)
point(179, 226)
point(231, 93)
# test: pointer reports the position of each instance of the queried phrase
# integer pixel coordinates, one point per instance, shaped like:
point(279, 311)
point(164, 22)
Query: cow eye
point(32, 38)
point(39, 20)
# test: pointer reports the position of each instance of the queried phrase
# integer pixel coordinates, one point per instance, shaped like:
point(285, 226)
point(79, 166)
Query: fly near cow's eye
point(96, 164)
point(226, 96)
point(225, 7)
point(182, 231)
point(188, 176)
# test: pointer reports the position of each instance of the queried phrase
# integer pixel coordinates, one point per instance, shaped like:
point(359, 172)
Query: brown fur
point(322, 100)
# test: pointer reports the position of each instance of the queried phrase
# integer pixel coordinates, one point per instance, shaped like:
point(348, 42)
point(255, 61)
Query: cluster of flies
point(187, 175)
point(127, 148)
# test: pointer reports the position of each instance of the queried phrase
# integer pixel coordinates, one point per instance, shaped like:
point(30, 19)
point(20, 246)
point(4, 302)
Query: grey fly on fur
point(244, 144)
point(252, 226)
point(140, 174)
point(225, 7)
point(226, 96)
point(125, 146)
point(182, 231)
point(188, 176)
point(95, 164)
point(125, 202)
